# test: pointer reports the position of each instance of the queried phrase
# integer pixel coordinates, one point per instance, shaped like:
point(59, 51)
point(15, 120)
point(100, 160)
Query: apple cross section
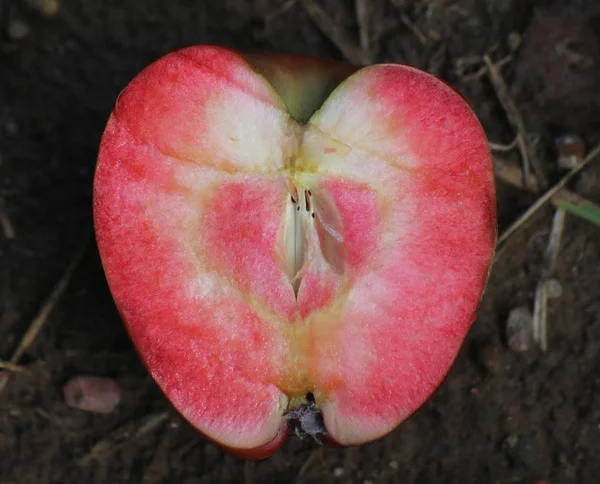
point(273, 227)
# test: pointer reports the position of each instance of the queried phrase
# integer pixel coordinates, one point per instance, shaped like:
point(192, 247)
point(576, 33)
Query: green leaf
point(584, 209)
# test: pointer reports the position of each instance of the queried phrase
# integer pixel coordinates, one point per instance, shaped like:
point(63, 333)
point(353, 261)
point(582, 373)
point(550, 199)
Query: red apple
point(279, 228)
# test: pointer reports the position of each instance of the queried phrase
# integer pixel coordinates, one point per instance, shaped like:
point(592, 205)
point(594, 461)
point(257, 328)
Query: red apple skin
point(263, 451)
point(191, 193)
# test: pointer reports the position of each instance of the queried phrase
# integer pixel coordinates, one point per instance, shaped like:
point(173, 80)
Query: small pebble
point(519, 329)
point(17, 30)
point(92, 394)
point(554, 288)
point(394, 464)
point(338, 472)
point(570, 150)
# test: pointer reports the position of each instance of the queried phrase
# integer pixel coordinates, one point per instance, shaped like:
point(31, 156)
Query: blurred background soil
point(501, 416)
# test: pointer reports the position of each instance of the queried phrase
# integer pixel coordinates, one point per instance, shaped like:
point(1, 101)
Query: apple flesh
point(273, 227)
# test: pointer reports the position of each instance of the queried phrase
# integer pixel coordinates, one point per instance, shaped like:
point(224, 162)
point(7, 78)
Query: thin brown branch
point(540, 308)
point(42, 317)
point(280, 10)
point(416, 31)
point(515, 119)
point(363, 19)
point(547, 196)
point(129, 431)
point(464, 67)
point(554, 243)
point(503, 147)
point(11, 367)
point(512, 174)
point(7, 226)
point(540, 315)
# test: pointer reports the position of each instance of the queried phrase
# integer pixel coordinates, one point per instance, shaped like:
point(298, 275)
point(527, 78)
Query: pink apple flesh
point(272, 226)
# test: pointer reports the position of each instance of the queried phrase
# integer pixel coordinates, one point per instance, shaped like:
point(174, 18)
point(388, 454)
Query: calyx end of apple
point(307, 419)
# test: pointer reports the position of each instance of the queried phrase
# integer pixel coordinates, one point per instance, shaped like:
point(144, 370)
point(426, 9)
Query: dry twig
point(546, 197)
point(7, 226)
point(40, 320)
point(464, 65)
point(11, 367)
point(540, 315)
point(416, 31)
point(364, 24)
point(132, 430)
point(503, 147)
point(540, 308)
point(510, 173)
point(513, 116)
point(280, 10)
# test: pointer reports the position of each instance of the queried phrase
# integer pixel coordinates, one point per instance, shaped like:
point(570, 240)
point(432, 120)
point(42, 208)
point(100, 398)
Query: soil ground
point(499, 417)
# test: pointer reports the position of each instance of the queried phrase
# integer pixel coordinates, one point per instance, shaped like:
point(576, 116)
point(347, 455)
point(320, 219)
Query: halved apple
point(284, 234)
